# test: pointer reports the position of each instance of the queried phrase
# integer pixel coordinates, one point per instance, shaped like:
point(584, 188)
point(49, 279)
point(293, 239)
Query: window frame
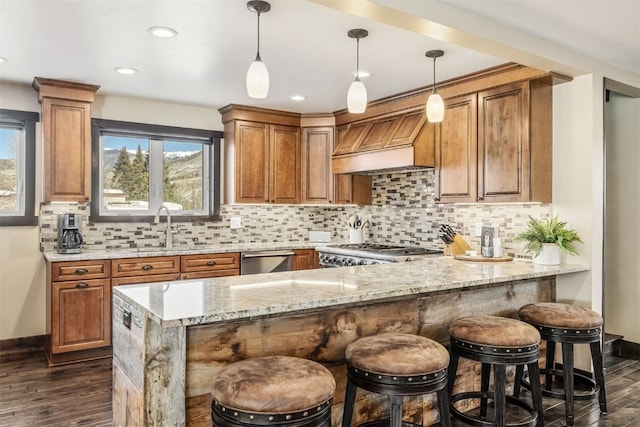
point(153, 132)
point(26, 120)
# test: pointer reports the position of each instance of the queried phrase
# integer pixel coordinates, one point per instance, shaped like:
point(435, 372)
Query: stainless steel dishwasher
point(265, 262)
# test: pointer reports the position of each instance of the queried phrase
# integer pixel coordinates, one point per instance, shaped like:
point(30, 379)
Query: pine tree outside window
point(142, 167)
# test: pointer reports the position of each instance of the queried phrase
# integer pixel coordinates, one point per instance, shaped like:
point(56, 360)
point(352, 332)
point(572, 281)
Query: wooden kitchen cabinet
point(78, 310)
point(66, 128)
point(267, 167)
point(209, 265)
point(496, 145)
point(305, 259)
point(347, 188)
point(317, 179)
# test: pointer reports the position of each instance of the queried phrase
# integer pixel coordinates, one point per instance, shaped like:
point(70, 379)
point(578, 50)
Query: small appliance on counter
point(69, 234)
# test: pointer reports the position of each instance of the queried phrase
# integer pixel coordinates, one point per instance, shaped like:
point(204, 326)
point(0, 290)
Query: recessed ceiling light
point(162, 32)
point(363, 74)
point(297, 98)
point(125, 70)
point(3, 59)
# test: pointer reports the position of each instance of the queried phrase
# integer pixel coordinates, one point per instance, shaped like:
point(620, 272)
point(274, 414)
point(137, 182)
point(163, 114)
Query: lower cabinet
point(81, 315)
point(305, 259)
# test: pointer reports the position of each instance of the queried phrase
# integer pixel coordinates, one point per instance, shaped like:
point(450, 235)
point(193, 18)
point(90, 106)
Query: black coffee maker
point(69, 234)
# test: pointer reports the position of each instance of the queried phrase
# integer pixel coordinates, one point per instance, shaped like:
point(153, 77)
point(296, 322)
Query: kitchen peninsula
point(171, 338)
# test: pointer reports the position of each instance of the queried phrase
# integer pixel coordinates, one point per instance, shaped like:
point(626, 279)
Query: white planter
point(550, 255)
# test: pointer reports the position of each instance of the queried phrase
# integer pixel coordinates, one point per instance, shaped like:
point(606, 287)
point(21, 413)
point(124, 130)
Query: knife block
point(458, 247)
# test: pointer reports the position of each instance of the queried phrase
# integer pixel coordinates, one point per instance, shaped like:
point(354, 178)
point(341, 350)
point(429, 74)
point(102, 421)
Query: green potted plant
point(545, 238)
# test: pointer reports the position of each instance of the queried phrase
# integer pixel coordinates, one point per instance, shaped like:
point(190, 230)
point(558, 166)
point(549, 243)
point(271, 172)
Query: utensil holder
point(355, 236)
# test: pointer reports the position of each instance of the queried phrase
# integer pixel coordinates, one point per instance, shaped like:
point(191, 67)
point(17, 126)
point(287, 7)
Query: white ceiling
point(303, 43)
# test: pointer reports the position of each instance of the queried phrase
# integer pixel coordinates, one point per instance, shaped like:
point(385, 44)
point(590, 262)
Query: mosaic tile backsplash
point(402, 212)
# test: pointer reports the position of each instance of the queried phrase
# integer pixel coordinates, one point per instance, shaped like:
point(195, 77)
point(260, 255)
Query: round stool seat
point(397, 354)
point(494, 331)
point(396, 365)
point(551, 314)
point(277, 388)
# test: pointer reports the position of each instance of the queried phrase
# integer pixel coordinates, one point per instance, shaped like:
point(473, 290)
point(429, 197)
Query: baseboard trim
point(22, 345)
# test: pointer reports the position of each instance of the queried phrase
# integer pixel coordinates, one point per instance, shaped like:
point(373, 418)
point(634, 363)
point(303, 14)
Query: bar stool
point(569, 325)
point(498, 342)
point(396, 365)
point(273, 391)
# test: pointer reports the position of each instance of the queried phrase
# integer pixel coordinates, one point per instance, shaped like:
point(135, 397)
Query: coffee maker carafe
point(69, 234)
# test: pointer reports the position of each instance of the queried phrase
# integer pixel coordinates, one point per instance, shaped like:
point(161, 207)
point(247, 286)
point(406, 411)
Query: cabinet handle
point(147, 267)
point(82, 271)
point(212, 262)
point(437, 199)
point(480, 198)
point(82, 285)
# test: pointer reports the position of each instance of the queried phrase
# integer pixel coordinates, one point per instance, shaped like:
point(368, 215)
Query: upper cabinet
point(317, 179)
point(262, 153)
point(66, 128)
point(496, 145)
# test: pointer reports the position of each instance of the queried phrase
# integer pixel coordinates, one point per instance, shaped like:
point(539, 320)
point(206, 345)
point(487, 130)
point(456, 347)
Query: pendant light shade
point(258, 76)
point(357, 94)
point(435, 105)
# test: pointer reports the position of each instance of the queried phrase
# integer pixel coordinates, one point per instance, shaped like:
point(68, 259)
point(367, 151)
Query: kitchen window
point(17, 167)
point(139, 167)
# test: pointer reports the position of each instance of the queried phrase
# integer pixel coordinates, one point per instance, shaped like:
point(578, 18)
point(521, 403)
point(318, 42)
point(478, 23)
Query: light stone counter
point(182, 333)
point(90, 254)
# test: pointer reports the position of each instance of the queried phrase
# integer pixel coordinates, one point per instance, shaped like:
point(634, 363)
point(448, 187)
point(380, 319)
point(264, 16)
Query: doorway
point(621, 278)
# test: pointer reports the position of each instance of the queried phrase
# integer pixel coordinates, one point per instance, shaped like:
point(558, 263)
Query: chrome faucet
point(168, 232)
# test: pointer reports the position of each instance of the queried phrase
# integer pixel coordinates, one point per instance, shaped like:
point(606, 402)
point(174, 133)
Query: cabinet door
point(503, 144)
point(304, 259)
point(317, 179)
point(67, 150)
point(354, 189)
point(284, 166)
point(81, 315)
point(456, 155)
point(252, 159)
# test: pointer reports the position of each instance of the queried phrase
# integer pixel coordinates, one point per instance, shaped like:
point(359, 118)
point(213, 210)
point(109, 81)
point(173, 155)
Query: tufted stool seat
point(273, 391)
point(569, 325)
point(498, 342)
point(396, 365)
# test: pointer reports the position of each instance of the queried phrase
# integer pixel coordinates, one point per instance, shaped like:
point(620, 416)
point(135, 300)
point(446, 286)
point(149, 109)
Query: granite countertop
point(91, 254)
point(196, 302)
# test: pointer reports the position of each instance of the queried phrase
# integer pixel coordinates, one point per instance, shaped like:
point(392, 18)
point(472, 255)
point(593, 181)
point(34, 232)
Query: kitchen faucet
point(168, 232)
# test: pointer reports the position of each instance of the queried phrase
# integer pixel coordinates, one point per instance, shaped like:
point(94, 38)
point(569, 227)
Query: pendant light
point(258, 76)
point(357, 95)
point(435, 105)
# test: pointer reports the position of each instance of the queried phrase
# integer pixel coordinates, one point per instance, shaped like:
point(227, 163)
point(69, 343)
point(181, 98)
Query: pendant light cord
point(258, 52)
point(358, 59)
point(434, 76)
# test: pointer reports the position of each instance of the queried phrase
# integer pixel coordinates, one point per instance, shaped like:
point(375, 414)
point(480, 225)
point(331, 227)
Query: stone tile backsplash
point(402, 212)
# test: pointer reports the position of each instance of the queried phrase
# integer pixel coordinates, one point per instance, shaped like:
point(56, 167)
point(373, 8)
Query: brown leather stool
point(569, 325)
point(396, 365)
point(273, 391)
point(498, 342)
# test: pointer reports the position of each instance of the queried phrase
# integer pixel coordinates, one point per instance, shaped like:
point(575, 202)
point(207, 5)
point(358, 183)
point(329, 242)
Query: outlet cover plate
point(235, 222)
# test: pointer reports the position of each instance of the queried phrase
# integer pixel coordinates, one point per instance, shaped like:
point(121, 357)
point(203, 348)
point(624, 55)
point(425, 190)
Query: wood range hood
point(389, 143)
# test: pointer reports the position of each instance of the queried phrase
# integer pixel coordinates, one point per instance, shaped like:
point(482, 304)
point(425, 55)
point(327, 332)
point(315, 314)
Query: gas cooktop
point(379, 248)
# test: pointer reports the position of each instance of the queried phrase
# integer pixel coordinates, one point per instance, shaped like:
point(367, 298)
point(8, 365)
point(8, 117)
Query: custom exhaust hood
point(391, 143)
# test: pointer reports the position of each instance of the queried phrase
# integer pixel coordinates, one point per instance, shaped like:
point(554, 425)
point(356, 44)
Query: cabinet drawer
point(208, 274)
point(77, 270)
point(210, 262)
point(145, 266)
point(117, 281)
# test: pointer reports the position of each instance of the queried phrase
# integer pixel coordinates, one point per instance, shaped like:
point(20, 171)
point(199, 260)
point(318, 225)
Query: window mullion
point(156, 159)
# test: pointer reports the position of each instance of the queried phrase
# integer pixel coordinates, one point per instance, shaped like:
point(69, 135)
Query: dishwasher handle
point(266, 254)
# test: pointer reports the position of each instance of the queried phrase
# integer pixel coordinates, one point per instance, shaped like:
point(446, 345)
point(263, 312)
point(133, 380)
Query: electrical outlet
point(235, 222)
point(126, 319)
point(478, 229)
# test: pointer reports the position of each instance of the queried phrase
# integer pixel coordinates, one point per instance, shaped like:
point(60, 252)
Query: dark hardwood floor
point(31, 394)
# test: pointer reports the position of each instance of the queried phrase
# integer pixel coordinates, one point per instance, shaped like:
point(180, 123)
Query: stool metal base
point(531, 422)
point(547, 389)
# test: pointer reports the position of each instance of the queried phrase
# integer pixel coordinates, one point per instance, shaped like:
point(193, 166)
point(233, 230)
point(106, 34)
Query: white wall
point(22, 273)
